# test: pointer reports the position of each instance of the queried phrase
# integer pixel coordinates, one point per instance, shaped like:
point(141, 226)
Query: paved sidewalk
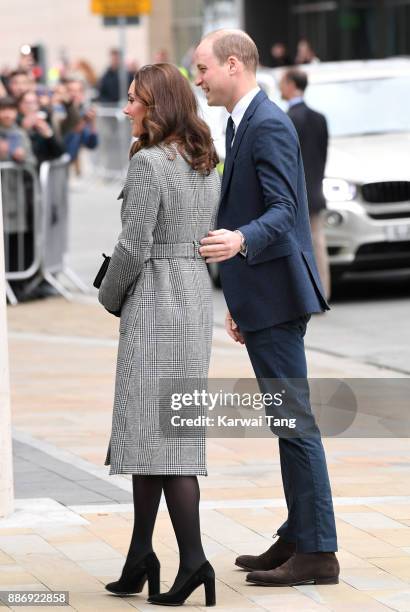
point(73, 522)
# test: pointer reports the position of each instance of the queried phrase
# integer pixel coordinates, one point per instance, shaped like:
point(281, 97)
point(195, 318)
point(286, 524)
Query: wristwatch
point(244, 248)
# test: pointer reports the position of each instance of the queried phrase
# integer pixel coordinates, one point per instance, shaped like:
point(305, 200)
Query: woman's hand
point(43, 128)
point(233, 330)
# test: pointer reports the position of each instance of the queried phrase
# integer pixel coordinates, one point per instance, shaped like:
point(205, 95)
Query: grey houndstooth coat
point(160, 283)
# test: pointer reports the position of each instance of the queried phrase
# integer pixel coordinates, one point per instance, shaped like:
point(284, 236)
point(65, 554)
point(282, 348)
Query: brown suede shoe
point(302, 568)
point(275, 556)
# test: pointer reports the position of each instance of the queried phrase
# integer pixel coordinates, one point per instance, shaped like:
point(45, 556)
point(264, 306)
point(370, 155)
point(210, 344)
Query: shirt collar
point(241, 106)
point(295, 100)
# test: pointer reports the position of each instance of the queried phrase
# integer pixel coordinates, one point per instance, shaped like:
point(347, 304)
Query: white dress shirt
point(241, 106)
point(237, 114)
point(295, 100)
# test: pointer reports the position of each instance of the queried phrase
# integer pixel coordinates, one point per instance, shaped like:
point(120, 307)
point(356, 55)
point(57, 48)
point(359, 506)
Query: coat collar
point(243, 126)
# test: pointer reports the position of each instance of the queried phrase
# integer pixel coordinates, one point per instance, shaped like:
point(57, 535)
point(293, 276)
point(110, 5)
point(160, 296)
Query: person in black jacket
point(311, 127)
point(109, 85)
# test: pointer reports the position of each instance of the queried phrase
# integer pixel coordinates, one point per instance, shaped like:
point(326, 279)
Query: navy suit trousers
point(278, 352)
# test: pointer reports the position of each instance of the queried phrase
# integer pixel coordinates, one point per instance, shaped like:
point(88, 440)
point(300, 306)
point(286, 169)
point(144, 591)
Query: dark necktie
point(229, 135)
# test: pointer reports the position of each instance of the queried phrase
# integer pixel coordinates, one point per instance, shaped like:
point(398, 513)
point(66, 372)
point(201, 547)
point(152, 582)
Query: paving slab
point(73, 522)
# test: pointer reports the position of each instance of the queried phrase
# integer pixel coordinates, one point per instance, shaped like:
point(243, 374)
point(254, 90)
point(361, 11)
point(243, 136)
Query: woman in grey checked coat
point(159, 285)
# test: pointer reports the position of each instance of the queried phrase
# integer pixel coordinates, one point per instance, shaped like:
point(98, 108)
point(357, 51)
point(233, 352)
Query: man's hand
point(220, 245)
point(233, 330)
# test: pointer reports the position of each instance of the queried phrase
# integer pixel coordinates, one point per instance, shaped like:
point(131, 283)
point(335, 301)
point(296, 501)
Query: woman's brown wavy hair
point(172, 116)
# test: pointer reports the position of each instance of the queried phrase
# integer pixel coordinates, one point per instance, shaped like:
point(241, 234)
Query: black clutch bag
point(101, 272)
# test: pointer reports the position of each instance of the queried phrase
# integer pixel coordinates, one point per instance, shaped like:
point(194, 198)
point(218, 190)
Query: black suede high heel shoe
point(204, 575)
point(135, 575)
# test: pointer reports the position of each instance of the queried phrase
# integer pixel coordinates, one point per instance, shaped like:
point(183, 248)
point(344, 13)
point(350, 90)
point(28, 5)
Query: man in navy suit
point(271, 285)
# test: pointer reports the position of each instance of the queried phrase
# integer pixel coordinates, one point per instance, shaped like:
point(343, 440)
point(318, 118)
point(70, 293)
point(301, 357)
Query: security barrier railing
point(21, 223)
point(35, 216)
point(110, 158)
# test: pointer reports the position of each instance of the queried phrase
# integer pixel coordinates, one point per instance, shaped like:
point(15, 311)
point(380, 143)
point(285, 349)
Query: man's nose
point(198, 80)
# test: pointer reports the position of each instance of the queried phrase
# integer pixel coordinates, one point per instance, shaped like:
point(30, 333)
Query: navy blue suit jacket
point(264, 196)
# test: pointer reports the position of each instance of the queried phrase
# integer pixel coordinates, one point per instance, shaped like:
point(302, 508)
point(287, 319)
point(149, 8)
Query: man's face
point(8, 117)
point(211, 76)
point(278, 50)
point(286, 88)
point(115, 60)
point(19, 84)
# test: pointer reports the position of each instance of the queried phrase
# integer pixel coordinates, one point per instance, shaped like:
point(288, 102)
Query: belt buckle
point(196, 246)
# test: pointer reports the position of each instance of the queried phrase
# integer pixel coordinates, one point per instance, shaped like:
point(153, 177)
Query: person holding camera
point(84, 132)
point(37, 123)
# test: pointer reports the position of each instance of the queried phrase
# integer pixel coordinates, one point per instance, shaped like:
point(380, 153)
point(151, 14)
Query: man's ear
point(233, 64)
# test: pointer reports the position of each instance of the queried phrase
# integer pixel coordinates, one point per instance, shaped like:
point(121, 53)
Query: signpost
point(120, 10)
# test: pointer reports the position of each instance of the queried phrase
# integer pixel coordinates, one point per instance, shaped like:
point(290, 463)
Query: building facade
point(337, 29)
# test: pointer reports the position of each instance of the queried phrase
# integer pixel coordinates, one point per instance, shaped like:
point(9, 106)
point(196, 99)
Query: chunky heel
point(331, 580)
point(204, 575)
point(139, 585)
point(135, 575)
point(210, 597)
point(153, 581)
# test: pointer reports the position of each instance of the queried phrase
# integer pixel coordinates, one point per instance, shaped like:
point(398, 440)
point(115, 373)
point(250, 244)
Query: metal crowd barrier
point(110, 158)
point(36, 242)
point(21, 223)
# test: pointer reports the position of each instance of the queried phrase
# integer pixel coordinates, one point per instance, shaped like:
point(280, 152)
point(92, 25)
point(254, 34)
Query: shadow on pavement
point(384, 287)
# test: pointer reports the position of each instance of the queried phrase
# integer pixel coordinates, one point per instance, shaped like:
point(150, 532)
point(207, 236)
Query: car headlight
point(338, 190)
point(333, 218)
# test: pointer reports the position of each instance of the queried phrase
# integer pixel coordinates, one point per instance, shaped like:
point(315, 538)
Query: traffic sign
point(120, 8)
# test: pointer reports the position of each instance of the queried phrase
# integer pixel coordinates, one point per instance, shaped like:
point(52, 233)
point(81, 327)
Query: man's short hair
point(298, 77)
point(235, 42)
point(7, 102)
point(18, 72)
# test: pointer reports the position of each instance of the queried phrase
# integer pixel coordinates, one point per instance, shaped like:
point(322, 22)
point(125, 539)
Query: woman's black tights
point(182, 498)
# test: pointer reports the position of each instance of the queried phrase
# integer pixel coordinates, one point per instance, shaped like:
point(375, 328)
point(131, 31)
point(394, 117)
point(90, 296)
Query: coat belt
point(177, 250)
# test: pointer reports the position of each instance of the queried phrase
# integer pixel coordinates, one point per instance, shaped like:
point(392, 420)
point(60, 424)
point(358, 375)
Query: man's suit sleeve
point(139, 215)
point(276, 157)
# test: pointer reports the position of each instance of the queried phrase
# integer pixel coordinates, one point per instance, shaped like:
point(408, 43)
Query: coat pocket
point(273, 251)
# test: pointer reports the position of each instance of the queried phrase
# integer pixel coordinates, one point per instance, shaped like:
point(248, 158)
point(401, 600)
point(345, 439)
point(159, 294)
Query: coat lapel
point(243, 126)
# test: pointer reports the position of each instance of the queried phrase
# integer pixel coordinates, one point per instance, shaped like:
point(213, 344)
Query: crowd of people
point(305, 54)
point(39, 123)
